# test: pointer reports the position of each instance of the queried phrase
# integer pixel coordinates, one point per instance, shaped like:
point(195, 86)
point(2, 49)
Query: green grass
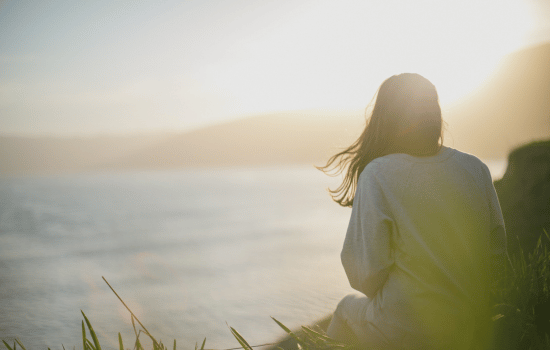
point(520, 316)
point(521, 297)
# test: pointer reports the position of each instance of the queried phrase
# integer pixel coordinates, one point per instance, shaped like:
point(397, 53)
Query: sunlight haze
point(140, 66)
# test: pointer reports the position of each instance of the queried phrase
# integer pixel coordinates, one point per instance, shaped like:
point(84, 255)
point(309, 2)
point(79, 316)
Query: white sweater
point(433, 223)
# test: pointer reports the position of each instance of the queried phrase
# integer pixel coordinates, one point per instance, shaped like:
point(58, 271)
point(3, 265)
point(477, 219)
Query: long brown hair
point(405, 118)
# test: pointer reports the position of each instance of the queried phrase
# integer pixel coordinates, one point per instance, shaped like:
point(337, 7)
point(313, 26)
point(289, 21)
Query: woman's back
point(424, 224)
point(428, 220)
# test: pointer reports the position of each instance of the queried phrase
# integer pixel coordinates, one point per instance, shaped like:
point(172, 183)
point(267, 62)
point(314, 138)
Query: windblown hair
point(405, 118)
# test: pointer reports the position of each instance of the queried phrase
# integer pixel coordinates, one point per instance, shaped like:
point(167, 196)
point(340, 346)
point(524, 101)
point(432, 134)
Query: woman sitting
point(425, 229)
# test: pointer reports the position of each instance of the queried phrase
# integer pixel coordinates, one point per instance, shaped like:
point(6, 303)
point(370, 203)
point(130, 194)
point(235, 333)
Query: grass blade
point(285, 328)
point(90, 345)
point(7, 345)
point(175, 343)
point(155, 343)
point(83, 336)
point(240, 339)
point(19, 342)
point(120, 346)
point(92, 333)
point(317, 334)
point(203, 342)
point(138, 343)
point(134, 326)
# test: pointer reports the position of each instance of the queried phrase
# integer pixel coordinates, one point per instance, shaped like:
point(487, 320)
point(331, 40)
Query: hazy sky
point(87, 67)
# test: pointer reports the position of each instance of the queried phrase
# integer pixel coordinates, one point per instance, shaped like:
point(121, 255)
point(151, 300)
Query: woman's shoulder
point(466, 157)
point(471, 162)
point(398, 165)
point(443, 155)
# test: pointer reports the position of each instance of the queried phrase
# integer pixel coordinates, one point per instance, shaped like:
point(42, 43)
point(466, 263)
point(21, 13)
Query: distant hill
point(50, 155)
point(511, 108)
point(291, 138)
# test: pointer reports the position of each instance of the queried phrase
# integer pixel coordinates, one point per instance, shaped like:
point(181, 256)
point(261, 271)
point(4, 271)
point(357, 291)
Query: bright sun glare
point(340, 52)
point(201, 62)
point(454, 44)
point(470, 41)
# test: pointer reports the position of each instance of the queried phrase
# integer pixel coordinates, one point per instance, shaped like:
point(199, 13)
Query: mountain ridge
point(512, 107)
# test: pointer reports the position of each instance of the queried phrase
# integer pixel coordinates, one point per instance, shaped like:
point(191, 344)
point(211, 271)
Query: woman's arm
point(366, 255)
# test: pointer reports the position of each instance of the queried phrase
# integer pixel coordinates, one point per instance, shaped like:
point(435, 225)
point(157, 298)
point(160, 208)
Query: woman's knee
point(351, 304)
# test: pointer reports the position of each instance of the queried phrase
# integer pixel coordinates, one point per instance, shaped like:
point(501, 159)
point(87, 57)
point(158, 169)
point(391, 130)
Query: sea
point(191, 252)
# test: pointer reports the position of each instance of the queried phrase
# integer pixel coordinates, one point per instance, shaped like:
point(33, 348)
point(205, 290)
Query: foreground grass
point(521, 298)
point(520, 318)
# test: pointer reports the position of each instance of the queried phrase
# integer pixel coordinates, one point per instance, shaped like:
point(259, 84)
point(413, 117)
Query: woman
point(425, 227)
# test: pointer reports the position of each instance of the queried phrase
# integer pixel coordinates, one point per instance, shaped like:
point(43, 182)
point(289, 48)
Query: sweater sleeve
point(366, 255)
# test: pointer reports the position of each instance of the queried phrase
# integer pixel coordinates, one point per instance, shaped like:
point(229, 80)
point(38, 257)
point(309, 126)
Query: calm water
point(188, 250)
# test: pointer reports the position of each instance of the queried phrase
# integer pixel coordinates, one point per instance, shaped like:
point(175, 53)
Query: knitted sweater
point(431, 225)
